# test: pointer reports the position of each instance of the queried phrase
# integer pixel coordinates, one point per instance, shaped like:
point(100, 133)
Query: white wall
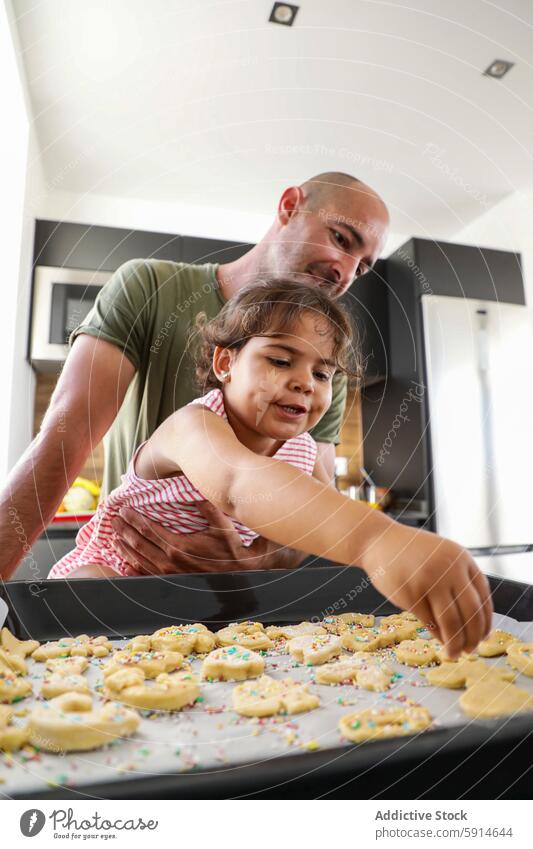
point(17, 149)
point(507, 225)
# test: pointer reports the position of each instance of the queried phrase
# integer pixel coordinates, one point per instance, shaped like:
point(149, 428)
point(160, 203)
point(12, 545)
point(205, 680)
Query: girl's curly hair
point(273, 306)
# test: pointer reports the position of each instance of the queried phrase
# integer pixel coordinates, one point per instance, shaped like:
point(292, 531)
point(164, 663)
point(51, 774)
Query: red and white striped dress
point(169, 501)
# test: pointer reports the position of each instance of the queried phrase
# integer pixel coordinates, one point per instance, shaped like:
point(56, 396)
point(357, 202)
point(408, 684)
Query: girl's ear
point(222, 360)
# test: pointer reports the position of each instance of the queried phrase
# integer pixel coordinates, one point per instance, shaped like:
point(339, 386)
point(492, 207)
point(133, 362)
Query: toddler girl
point(267, 362)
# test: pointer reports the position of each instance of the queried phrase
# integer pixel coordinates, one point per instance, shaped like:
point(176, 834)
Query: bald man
point(130, 367)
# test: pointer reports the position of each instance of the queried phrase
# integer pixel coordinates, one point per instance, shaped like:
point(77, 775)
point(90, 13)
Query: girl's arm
point(420, 571)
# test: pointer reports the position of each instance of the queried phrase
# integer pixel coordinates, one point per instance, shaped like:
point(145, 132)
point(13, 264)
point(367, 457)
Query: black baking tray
point(481, 760)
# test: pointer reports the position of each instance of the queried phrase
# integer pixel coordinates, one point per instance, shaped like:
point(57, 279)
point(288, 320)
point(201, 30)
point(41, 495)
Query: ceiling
point(207, 103)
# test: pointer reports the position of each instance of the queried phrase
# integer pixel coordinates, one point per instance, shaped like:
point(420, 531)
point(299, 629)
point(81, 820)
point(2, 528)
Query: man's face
point(334, 243)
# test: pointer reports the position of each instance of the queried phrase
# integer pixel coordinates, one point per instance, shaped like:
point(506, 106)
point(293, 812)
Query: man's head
point(332, 228)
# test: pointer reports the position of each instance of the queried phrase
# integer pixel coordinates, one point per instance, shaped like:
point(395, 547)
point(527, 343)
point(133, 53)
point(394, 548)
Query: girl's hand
point(435, 578)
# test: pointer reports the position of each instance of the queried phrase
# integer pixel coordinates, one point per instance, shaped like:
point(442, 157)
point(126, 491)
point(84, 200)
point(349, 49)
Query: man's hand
point(153, 550)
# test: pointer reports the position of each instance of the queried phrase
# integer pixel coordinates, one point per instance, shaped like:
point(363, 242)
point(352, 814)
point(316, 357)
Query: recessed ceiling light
point(283, 13)
point(498, 69)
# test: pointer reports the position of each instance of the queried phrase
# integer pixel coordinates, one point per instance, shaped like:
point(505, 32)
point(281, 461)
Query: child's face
point(280, 386)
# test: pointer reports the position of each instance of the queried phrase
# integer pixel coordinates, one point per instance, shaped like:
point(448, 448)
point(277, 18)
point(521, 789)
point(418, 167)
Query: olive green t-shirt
point(147, 308)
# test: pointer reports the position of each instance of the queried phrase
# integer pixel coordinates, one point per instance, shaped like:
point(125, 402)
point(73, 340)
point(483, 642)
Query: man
point(133, 347)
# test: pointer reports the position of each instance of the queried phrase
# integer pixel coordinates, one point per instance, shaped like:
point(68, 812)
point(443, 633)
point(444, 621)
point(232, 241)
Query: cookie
point(67, 665)
point(184, 638)
point(520, 656)
point(82, 646)
point(336, 624)
point(354, 638)
point(12, 737)
point(488, 699)
point(288, 632)
point(57, 684)
point(373, 639)
point(495, 644)
point(402, 618)
point(70, 723)
point(22, 648)
point(314, 649)
point(383, 723)
point(249, 635)
point(455, 675)
point(152, 663)
point(443, 657)
point(417, 652)
point(141, 643)
point(12, 663)
point(232, 663)
point(166, 692)
point(268, 696)
point(367, 672)
point(13, 688)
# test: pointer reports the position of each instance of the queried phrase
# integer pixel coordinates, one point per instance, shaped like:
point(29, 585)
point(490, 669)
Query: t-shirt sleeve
point(120, 312)
point(328, 428)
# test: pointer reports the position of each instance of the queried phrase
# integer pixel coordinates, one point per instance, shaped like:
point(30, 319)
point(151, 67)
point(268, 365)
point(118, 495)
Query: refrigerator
point(479, 384)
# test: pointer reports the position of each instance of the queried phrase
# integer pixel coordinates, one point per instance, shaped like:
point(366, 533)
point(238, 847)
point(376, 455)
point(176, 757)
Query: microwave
point(61, 299)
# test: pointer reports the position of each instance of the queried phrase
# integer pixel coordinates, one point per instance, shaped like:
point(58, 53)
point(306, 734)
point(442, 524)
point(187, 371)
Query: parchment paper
point(211, 734)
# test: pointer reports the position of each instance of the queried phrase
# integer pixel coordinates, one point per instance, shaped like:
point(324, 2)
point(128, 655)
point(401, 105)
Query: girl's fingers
point(481, 583)
point(469, 603)
point(450, 622)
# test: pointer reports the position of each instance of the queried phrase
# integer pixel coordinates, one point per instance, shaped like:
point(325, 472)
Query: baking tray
point(486, 759)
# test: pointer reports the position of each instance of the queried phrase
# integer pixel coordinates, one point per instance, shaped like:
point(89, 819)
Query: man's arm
point(87, 398)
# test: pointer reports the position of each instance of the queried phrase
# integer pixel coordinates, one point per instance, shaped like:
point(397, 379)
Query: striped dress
point(169, 501)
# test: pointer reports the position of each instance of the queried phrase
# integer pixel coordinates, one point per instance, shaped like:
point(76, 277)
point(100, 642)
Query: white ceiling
point(207, 103)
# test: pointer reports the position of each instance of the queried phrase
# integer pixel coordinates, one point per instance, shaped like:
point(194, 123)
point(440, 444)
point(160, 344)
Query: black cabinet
point(199, 250)
point(63, 244)
point(367, 301)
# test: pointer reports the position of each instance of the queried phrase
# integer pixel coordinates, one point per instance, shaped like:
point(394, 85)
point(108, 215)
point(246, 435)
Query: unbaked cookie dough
point(382, 723)
point(152, 663)
point(455, 675)
point(268, 696)
point(520, 656)
point(12, 737)
point(10, 643)
point(337, 624)
point(233, 663)
point(82, 646)
point(314, 650)
point(70, 723)
point(487, 699)
point(56, 684)
point(67, 665)
point(373, 639)
point(495, 644)
point(13, 688)
point(249, 635)
point(417, 652)
point(12, 663)
point(362, 669)
point(401, 618)
point(288, 632)
point(166, 692)
point(184, 638)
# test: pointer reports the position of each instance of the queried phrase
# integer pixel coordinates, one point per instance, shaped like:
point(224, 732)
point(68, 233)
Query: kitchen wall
point(18, 150)
point(507, 225)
